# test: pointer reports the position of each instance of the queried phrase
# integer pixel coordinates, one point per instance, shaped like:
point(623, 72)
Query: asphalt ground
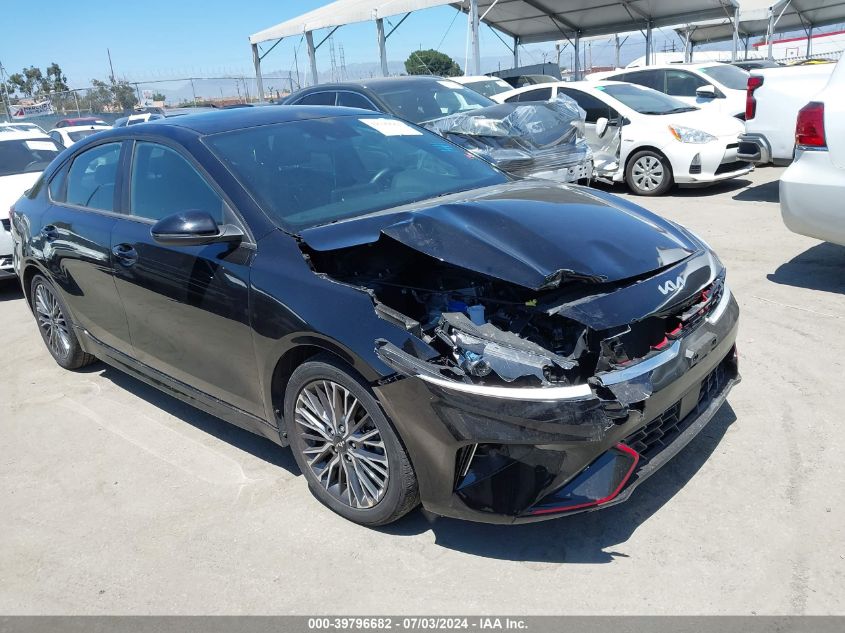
point(115, 498)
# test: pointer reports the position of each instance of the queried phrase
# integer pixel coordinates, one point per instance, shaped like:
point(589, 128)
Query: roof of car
point(380, 82)
point(76, 128)
point(18, 135)
point(618, 71)
point(585, 85)
point(234, 119)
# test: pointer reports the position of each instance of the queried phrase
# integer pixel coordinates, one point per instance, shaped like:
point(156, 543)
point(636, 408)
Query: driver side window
point(164, 183)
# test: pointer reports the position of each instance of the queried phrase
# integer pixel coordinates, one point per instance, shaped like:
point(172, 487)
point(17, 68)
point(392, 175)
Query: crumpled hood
point(533, 234)
point(12, 188)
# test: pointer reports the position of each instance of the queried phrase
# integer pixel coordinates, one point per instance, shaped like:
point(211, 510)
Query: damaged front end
point(526, 395)
point(537, 140)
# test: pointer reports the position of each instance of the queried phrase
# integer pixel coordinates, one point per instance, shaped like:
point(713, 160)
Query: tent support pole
point(259, 80)
point(810, 41)
point(312, 56)
point(648, 43)
point(770, 32)
point(382, 50)
point(515, 51)
point(576, 70)
point(735, 50)
point(476, 55)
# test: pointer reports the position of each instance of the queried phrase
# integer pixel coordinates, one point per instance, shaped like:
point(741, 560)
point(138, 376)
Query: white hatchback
point(23, 156)
point(647, 139)
point(67, 136)
point(713, 86)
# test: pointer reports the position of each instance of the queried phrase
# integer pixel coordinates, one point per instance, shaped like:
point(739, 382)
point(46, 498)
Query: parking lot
point(117, 498)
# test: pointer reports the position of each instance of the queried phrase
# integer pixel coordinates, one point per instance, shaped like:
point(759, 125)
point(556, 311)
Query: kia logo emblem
point(672, 286)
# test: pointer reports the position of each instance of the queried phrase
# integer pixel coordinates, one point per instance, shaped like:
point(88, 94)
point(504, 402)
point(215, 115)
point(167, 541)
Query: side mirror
point(193, 228)
point(707, 91)
point(601, 126)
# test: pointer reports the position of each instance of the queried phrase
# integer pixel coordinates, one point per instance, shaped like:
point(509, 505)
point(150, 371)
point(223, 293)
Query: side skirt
point(178, 389)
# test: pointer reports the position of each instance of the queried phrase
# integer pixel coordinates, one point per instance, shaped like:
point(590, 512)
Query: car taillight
point(754, 82)
point(809, 130)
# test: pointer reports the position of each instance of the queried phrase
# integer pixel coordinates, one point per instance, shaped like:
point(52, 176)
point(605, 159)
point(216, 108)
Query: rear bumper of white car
point(708, 162)
point(6, 267)
point(754, 148)
point(811, 194)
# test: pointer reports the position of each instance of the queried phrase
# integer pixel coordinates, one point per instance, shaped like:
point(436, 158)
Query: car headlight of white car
point(690, 135)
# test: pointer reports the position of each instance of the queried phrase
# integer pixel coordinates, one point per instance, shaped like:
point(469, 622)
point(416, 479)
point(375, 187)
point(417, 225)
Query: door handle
point(125, 254)
point(50, 233)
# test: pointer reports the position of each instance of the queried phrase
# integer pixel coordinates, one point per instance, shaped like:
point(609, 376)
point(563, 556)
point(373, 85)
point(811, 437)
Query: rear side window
point(92, 177)
point(164, 183)
point(318, 98)
point(354, 100)
point(540, 94)
point(649, 78)
point(681, 83)
point(57, 185)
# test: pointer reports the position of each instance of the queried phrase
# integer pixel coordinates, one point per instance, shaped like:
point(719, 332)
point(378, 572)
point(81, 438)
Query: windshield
point(318, 171)
point(489, 87)
point(729, 76)
point(420, 101)
point(81, 134)
point(26, 155)
point(645, 100)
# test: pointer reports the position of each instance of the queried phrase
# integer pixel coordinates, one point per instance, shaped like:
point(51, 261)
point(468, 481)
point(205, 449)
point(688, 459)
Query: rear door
point(187, 306)
point(75, 241)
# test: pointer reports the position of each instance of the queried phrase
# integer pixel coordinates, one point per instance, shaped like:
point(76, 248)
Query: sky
point(157, 39)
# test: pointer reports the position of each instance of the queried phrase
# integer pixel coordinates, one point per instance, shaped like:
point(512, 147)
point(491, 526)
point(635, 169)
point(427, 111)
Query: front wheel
point(345, 446)
point(648, 174)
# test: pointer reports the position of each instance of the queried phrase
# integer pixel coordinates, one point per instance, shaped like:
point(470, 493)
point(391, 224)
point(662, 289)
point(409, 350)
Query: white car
point(23, 156)
point(712, 86)
point(648, 139)
point(488, 86)
point(67, 136)
point(812, 189)
point(21, 126)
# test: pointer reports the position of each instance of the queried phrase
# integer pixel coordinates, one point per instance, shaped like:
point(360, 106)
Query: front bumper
point(709, 162)
point(499, 459)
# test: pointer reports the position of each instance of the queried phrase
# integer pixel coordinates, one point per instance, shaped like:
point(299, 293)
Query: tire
point(648, 174)
point(358, 486)
point(56, 326)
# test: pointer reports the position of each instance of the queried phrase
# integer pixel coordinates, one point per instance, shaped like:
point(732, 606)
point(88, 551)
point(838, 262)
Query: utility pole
point(193, 90)
point(5, 92)
point(111, 68)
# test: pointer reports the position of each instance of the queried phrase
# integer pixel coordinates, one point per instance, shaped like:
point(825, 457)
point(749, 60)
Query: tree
point(55, 81)
point(159, 97)
point(100, 96)
point(431, 62)
point(124, 95)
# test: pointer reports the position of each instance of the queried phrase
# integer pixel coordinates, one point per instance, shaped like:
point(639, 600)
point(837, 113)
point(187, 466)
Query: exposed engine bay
point(489, 331)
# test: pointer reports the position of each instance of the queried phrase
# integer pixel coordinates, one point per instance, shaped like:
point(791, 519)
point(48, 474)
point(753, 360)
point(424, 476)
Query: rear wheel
point(55, 325)
point(345, 446)
point(648, 174)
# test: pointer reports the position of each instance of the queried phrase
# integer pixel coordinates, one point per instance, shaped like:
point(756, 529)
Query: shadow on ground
point(584, 538)
point(821, 267)
point(255, 445)
point(767, 192)
point(725, 186)
point(10, 290)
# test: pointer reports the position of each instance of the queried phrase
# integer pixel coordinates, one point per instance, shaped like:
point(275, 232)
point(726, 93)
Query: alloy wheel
point(647, 173)
point(52, 321)
point(342, 446)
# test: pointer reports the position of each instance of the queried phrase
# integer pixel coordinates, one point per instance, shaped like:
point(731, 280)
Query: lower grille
point(6, 224)
point(725, 168)
point(652, 438)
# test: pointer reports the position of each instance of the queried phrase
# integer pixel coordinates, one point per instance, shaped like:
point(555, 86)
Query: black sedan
point(416, 325)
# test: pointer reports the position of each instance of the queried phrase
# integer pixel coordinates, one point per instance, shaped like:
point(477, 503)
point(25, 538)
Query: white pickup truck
point(773, 99)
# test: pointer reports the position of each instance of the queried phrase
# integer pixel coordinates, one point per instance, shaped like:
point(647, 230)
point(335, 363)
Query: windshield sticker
point(391, 127)
point(49, 146)
point(449, 84)
point(600, 88)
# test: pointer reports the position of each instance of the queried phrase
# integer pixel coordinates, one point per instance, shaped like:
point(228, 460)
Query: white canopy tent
point(758, 18)
point(525, 21)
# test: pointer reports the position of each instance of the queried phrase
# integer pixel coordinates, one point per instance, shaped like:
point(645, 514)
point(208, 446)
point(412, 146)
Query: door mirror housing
point(601, 126)
point(193, 228)
point(707, 91)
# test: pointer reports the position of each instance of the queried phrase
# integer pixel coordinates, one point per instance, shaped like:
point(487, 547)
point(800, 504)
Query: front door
point(187, 306)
